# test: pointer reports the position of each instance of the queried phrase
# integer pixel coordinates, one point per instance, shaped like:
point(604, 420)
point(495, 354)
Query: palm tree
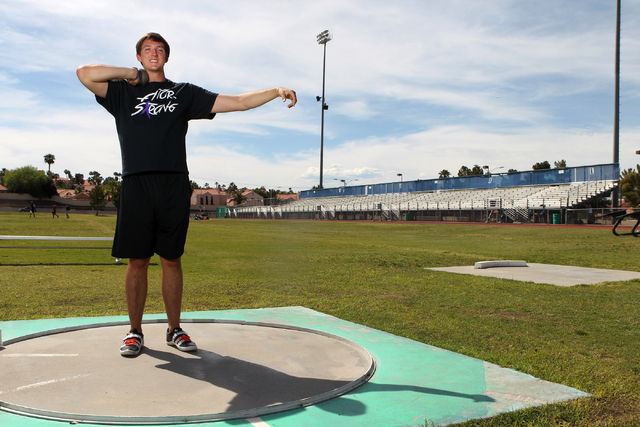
point(464, 171)
point(49, 159)
point(237, 197)
point(95, 178)
point(444, 174)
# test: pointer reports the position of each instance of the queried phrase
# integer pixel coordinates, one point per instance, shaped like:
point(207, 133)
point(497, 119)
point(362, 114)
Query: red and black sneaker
point(180, 340)
point(133, 343)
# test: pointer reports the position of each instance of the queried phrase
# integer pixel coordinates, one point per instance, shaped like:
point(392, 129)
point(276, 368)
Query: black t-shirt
point(152, 122)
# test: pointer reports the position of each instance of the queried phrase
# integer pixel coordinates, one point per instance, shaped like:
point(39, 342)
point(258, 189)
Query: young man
point(152, 115)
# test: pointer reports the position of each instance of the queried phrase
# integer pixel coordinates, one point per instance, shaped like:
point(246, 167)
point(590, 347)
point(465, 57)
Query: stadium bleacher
point(515, 203)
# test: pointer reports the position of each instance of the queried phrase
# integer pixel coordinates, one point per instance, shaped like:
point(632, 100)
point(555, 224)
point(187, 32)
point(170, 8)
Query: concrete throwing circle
point(240, 370)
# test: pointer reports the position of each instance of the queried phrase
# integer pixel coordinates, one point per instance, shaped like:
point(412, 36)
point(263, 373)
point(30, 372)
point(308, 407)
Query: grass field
point(373, 274)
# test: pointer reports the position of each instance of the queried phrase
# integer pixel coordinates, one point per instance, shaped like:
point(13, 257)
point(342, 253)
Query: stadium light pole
point(323, 38)
point(616, 109)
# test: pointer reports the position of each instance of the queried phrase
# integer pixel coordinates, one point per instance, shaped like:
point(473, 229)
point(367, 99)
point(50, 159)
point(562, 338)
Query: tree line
point(235, 193)
point(40, 184)
point(477, 170)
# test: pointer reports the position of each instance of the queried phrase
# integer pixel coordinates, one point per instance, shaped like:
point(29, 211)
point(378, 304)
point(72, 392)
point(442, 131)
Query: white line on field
point(24, 387)
point(38, 355)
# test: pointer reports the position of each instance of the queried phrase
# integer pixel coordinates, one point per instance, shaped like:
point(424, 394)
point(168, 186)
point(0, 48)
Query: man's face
point(152, 55)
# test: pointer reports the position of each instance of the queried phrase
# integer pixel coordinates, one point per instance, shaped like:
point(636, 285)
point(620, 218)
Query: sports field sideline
point(374, 274)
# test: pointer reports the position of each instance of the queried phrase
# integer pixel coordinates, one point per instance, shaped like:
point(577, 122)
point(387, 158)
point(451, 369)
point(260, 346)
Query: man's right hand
point(141, 79)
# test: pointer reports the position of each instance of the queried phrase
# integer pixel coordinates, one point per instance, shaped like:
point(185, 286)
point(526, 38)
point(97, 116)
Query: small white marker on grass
point(492, 264)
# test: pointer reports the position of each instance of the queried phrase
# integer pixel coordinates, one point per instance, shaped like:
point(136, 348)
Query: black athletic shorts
point(153, 216)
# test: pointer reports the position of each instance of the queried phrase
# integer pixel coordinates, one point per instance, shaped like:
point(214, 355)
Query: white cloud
point(423, 155)
point(356, 110)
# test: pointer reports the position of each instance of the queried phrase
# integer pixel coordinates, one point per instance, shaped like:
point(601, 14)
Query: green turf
point(373, 274)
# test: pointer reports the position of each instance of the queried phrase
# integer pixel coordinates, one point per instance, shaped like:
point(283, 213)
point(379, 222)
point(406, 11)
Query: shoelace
point(131, 340)
point(181, 337)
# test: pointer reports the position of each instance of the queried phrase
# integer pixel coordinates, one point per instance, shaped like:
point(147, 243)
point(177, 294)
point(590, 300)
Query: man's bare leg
point(136, 290)
point(172, 290)
point(172, 294)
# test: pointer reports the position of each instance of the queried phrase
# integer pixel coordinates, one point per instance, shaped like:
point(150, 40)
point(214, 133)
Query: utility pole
point(616, 111)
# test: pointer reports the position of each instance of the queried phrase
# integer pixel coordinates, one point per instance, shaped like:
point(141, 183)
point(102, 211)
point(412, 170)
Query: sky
point(413, 87)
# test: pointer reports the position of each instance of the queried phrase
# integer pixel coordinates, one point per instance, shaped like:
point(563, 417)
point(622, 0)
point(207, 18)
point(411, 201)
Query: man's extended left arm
point(249, 100)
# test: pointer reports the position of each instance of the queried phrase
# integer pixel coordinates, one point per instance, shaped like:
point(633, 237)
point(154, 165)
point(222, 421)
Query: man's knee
point(171, 272)
point(138, 263)
point(171, 264)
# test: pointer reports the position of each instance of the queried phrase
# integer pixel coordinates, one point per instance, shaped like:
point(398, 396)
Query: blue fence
point(538, 177)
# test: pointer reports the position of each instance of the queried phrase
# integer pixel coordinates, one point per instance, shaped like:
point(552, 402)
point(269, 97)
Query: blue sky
point(413, 87)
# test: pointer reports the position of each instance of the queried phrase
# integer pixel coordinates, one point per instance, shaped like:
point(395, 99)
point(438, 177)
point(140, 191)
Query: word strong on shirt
point(155, 103)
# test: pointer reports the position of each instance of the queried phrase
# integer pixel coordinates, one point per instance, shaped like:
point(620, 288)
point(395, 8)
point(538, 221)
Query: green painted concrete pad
point(413, 382)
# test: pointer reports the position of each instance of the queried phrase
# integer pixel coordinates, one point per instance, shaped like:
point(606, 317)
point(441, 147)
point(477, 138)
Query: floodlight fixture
point(324, 37)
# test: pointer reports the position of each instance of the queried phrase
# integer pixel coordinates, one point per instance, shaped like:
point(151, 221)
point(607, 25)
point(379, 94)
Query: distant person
point(152, 115)
point(54, 211)
point(66, 210)
point(32, 210)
